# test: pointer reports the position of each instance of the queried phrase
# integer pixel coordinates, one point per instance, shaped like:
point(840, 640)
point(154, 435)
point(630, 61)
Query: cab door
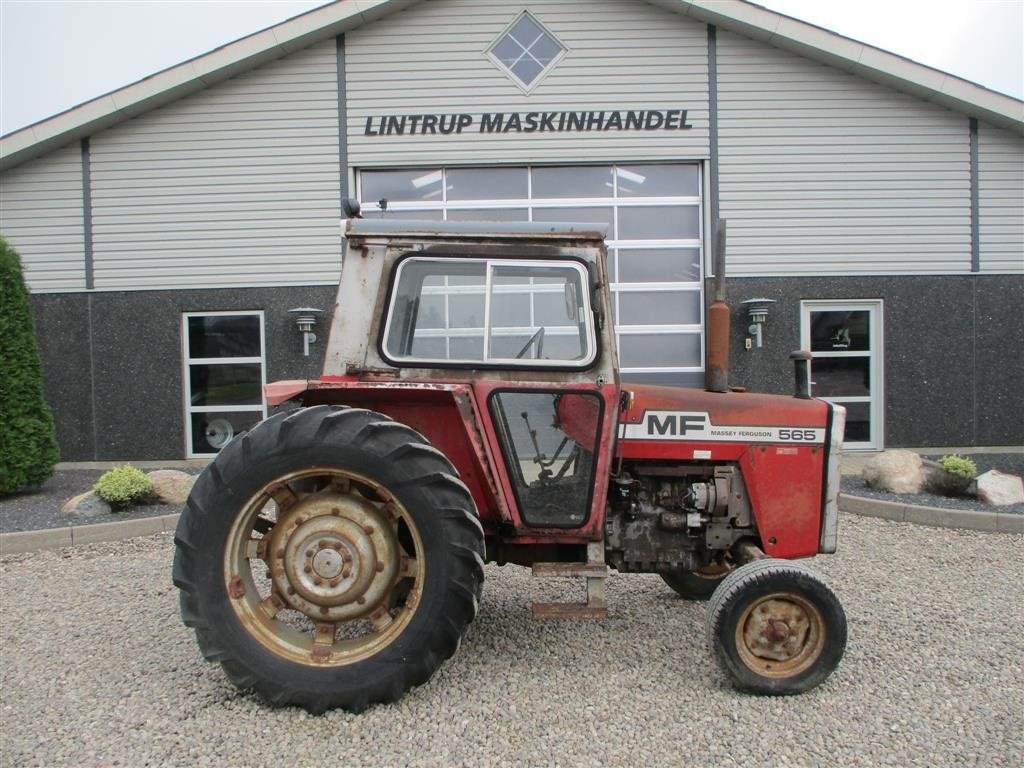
point(552, 447)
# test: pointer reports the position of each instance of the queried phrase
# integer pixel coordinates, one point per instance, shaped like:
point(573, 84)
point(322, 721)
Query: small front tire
point(776, 628)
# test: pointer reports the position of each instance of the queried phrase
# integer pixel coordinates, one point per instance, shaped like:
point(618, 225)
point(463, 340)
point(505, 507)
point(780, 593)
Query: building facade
point(168, 228)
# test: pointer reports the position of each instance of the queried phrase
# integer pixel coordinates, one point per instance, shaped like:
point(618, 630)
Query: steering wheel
point(538, 337)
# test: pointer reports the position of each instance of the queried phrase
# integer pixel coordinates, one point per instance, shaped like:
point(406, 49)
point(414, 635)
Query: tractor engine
point(663, 517)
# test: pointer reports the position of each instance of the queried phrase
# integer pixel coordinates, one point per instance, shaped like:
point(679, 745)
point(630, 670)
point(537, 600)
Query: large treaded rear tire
point(390, 475)
point(776, 628)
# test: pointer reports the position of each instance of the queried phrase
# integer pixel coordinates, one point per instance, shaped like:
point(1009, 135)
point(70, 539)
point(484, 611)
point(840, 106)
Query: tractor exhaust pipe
point(717, 363)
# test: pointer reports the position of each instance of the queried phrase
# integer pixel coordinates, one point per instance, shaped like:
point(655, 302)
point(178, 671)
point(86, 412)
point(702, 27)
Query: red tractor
point(470, 411)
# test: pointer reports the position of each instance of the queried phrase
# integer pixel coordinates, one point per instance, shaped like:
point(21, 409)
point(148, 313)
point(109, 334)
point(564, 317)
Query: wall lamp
point(757, 311)
point(305, 318)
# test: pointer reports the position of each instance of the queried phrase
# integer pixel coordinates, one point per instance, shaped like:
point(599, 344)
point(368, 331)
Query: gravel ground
point(40, 508)
point(1010, 463)
point(96, 669)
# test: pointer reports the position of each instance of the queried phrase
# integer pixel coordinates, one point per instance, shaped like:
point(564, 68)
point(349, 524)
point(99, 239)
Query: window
point(549, 440)
point(525, 51)
point(490, 312)
point(845, 338)
point(653, 212)
point(224, 373)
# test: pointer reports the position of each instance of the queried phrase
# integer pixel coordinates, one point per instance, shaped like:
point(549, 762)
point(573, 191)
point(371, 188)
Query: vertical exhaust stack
point(717, 363)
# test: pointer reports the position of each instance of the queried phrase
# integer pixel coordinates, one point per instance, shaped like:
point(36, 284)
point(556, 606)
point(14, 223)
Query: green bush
point(28, 445)
point(959, 466)
point(123, 486)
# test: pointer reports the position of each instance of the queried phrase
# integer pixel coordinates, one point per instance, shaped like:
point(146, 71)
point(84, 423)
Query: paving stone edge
point(936, 517)
point(73, 535)
point(70, 536)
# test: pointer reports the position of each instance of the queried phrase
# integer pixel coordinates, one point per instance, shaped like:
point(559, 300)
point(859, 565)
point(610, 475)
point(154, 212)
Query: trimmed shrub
point(123, 486)
point(28, 444)
point(953, 476)
point(959, 466)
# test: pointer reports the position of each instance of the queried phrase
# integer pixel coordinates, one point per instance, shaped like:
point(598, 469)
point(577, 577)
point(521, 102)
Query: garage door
point(654, 217)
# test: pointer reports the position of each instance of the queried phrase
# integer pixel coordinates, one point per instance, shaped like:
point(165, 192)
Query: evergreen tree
point(28, 445)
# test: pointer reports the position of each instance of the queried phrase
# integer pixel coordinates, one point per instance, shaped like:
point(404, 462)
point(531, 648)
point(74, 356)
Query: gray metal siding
point(1001, 197)
point(826, 173)
point(41, 217)
point(431, 59)
point(235, 186)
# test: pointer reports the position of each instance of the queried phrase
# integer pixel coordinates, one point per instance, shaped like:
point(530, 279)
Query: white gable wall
point(1001, 199)
point(235, 186)
point(826, 173)
point(41, 216)
point(430, 59)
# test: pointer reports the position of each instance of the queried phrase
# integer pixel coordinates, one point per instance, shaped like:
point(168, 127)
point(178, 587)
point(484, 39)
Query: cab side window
point(502, 313)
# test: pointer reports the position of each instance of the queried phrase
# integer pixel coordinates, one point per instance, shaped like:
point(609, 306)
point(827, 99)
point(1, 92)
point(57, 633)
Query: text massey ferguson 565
point(470, 410)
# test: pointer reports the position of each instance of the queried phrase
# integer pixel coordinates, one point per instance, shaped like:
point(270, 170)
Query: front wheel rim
point(780, 635)
point(324, 567)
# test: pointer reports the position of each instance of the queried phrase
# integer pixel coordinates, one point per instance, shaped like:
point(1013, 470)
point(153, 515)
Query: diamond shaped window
point(526, 50)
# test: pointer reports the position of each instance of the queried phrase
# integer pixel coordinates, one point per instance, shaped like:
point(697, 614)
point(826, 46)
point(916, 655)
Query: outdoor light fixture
point(757, 311)
point(305, 318)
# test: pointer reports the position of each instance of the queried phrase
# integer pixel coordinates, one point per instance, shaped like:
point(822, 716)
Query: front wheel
point(329, 558)
point(776, 628)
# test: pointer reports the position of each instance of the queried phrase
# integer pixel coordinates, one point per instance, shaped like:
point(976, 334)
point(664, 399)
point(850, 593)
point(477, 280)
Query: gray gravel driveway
point(96, 669)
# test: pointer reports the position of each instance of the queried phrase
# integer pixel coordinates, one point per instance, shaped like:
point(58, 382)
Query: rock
point(171, 486)
point(999, 489)
point(898, 471)
point(86, 504)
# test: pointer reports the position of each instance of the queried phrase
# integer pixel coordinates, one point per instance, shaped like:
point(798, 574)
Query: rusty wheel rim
point(780, 635)
point(324, 567)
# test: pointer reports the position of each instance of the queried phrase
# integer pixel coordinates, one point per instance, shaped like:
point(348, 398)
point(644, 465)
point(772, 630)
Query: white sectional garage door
point(654, 216)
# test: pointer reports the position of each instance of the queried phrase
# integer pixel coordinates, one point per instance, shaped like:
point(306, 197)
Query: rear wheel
point(776, 628)
point(329, 558)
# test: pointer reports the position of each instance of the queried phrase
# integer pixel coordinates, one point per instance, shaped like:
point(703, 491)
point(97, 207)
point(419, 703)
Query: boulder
point(999, 489)
point(898, 471)
point(86, 504)
point(171, 486)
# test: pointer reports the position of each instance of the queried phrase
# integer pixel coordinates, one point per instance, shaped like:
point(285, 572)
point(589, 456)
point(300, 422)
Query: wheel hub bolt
point(310, 552)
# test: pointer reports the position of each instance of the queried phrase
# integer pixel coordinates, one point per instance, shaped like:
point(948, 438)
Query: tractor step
point(594, 572)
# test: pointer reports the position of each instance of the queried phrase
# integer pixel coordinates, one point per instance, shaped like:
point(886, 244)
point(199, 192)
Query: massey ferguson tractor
point(470, 410)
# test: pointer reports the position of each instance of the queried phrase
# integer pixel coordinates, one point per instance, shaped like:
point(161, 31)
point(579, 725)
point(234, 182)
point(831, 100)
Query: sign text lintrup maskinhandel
point(527, 122)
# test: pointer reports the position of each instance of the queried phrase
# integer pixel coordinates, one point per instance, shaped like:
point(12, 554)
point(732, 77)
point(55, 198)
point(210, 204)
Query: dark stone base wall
point(112, 362)
point(954, 370)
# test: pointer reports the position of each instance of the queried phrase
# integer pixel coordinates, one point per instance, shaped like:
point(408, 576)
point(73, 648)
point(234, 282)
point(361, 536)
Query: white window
point(526, 51)
point(224, 373)
point(654, 217)
point(845, 338)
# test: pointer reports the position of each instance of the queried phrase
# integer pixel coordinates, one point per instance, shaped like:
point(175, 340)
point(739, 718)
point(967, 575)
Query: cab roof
point(475, 230)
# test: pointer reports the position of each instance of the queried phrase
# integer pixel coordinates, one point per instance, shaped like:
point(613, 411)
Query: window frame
point(525, 87)
point(590, 319)
point(875, 354)
point(188, 361)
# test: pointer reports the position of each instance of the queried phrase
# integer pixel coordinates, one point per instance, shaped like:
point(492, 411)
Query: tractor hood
point(676, 414)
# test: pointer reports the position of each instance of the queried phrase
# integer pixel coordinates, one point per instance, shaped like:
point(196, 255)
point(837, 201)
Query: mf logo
point(672, 424)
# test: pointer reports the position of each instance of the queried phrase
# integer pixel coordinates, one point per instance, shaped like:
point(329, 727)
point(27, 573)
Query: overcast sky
point(55, 54)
